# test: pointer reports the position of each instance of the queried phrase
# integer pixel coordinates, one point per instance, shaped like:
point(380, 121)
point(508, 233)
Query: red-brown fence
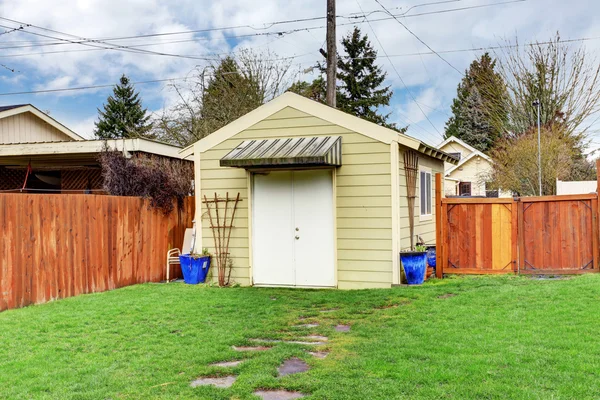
point(61, 245)
point(530, 235)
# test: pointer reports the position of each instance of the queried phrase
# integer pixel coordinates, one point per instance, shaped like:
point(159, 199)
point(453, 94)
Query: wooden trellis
point(411, 168)
point(221, 226)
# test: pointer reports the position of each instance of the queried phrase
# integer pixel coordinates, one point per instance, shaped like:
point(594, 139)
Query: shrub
point(161, 180)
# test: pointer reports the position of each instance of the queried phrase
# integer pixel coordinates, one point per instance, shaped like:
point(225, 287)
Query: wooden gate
point(530, 235)
point(559, 234)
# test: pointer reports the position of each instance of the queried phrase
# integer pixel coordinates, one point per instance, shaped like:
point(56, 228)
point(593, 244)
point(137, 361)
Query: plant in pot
point(195, 266)
point(414, 263)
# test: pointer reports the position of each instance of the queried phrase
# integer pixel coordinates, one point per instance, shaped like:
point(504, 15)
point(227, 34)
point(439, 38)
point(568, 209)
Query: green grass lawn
point(460, 338)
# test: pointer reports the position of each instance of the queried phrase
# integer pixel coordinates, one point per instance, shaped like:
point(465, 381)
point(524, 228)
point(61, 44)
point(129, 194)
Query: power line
point(418, 38)
point(352, 16)
point(472, 49)
point(397, 73)
point(87, 87)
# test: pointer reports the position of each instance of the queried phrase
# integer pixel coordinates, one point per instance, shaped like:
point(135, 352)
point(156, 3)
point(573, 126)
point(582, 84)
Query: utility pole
point(536, 103)
point(331, 54)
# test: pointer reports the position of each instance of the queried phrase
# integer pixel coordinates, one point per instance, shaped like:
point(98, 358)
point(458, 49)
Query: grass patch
point(473, 337)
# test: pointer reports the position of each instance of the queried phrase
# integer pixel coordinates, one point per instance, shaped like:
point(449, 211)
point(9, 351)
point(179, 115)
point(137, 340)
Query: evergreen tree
point(479, 107)
point(123, 115)
point(228, 95)
point(360, 90)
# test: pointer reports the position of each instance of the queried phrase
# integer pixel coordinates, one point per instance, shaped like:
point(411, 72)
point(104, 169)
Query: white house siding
point(425, 228)
point(476, 171)
point(27, 128)
point(364, 227)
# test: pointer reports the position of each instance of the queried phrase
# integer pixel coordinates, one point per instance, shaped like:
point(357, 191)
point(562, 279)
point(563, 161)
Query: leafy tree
point(478, 109)
point(123, 115)
point(315, 90)
point(221, 93)
point(516, 161)
point(360, 91)
point(567, 84)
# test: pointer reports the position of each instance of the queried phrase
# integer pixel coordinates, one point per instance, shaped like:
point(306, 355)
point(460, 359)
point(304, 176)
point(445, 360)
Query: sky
point(52, 46)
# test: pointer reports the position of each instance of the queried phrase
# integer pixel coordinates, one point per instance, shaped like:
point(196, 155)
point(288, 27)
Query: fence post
point(439, 224)
point(521, 237)
point(514, 210)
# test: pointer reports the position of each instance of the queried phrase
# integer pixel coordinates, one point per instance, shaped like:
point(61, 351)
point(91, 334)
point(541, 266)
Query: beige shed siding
point(364, 232)
point(27, 128)
point(425, 229)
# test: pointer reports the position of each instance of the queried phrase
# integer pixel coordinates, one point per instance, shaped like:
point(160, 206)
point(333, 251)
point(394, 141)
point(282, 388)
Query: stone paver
point(220, 382)
point(318, 338)
point(319, 354)
point(227, 364)
point(342, 328)
point(265, 340)
point(306, 342)
point(292, 366)
point(305, 326)
point(250, 348)
point(278, 395)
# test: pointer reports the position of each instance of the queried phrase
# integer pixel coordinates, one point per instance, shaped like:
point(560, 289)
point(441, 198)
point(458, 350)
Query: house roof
point(321, 111)
point(6, 108)
point(79, 150)
point(10, 110)
point(474, 153)
point(454, 139)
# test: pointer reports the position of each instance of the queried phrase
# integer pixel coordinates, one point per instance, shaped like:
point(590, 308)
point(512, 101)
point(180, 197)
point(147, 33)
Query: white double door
point(292, 224)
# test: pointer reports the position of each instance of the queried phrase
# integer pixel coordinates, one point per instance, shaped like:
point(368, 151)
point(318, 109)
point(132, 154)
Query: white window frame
point(426, 216)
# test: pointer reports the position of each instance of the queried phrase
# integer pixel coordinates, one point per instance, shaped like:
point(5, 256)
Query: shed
point(324, 198)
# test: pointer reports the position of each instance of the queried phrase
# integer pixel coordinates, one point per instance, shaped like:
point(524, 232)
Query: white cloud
point(429, 78)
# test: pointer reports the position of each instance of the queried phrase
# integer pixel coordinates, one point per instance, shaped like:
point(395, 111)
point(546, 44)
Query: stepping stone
point(250, 348)
point(292, 366)
point(266, 340)
point(305, 326)
point(278, 395)
point(220, 382)
point(306, 343)
point(329, 310)
point(319, 354)
point(342, 328)
point(318, 338)
point(447, 295)
point(227, 364)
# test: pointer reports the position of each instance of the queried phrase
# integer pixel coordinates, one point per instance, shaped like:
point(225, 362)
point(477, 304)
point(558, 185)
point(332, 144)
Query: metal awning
point(299, 151)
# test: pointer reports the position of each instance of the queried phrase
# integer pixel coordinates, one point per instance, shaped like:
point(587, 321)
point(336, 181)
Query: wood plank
point(477, 200)
point(567, 197)
point(595, 233)
point(439, 229)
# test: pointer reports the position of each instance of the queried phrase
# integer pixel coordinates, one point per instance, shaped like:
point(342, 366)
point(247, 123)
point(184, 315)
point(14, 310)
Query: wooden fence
point(61, 245)
point(529, 235)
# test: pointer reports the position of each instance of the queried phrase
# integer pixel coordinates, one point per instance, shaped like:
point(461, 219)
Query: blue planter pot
point(415, 265)
point(431, 257)
point(194, 269)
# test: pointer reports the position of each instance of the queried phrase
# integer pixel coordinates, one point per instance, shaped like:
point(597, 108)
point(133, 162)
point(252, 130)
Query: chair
point(186, 248)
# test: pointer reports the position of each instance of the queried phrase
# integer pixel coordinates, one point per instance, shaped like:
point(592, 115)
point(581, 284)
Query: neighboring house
point(324, 197)
point(576, 187)
point(469, 176)
point(60, 159)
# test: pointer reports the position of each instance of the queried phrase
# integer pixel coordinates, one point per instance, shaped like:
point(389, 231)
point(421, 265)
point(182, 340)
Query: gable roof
point(465, 160)
point(318, 110)
point(9, 111)
point(6, 108)
point(454, 139)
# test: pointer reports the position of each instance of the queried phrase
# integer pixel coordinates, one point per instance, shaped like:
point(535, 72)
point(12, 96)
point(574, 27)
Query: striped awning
point(299, 151)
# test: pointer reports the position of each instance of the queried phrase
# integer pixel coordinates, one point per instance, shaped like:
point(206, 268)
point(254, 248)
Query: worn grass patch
point(498, 337)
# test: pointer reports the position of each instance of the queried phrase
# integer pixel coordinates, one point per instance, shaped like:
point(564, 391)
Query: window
point(457, 155)
point(425, 191)
point(464, 189)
